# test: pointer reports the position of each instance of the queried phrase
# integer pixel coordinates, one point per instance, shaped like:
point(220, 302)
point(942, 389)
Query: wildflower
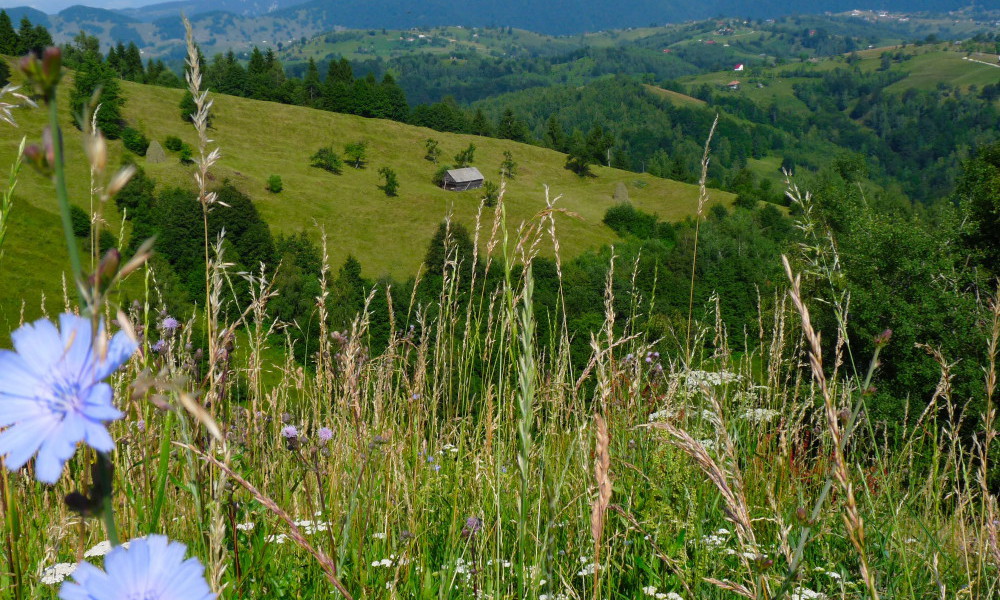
point(289, 432)
point(245, 526)
point(99, 550)
point(760, 415)
point(277, 539)
point(325, 434)
point(152, 567)
point(378, 535)
point(806, 594)
point(472, 526)
point(57, 572)
point(52, 395)
point(160, 346)
point(169, 324)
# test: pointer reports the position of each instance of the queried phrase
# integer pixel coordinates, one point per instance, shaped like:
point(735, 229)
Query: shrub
point(438, 178)
point(465, 157)
point(390, 183)
point(187, 154)
point(356, 153)
point(135, 141)
point(433, 152)
point(274, 184)
point(106, 241)
point(326, 159)
point(80, 221)
point(173, 143)
point(491, 193)
point(626, 220)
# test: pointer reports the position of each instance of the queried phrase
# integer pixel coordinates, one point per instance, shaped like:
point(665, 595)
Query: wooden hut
point(459, 180)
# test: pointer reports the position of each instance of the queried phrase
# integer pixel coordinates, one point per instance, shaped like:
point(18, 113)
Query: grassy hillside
point(258, 139)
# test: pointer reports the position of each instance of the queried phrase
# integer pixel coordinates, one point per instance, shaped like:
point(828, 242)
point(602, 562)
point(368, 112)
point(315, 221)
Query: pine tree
point(512, 128)
point(555, 137)
point(480, 125)
point(132, 63)
point(312, 86)
point(25, 37)
point(92, 74)
point(8, 37)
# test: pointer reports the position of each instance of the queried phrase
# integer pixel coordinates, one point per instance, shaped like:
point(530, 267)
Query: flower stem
point(63, 197)
point(104, 487)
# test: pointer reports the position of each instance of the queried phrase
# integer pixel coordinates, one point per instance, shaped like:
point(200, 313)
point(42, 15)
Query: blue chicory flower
point(53, 395)
point(152, 567)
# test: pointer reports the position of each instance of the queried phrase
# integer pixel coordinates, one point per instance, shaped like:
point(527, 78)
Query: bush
point(390, 183)
point(106, 241)
point(491, 193)
point(356, 153)
point(326, 159)
point(465, 157)
point(135, 141)
point(173, 143)
point(274, 184)
point(187, 154)
point(80, 220)
point(626, 220)
point(438, 178)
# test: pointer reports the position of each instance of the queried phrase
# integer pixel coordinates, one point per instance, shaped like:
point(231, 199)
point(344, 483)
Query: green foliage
point(508, 168)
point(465, 157)
point(173, 143)
point(135, 141)
point(390, 182)
point(81, 221)
point(136, 195)
point(432, 151)
point(626, 220)
point(356, 153)
point(186, 155)
point(189, 108)
point(4, 73)
point(978, 194)
point(438, 177)
point(274, 184)
point(491, 193)
point(93, 75)
point(325, 158)
point(8, 37)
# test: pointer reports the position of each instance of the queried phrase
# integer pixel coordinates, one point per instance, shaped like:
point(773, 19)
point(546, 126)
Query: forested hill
point(573, 16)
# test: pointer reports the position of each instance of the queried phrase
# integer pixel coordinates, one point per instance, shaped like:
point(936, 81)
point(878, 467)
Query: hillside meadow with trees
point(790, 395)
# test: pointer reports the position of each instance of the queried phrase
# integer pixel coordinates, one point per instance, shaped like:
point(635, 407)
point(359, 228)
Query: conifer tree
point(8, 37)
point(92, 74)
point(312, 86)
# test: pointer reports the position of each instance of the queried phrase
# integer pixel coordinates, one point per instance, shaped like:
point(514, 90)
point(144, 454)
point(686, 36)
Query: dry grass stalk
point(852, 517)
point(702, 200)
point(599, 507)
point(329, 568)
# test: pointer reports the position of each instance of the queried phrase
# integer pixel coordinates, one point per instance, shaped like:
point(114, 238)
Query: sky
point(54, 6)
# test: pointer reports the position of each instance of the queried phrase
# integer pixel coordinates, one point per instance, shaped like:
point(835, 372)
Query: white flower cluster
point(650, 590)
point(760, 415)
point(503, 563)
point(836, 576)
point(245, 526)
point(661, 415)
point(448, 448)
point(806, 594)
point(57, 572)
point(279, 538)
point(100, 549)
point(588, 567)
point(392, 561)
point(559, 596)
point(378, 535)
point(311, 527)
point(717, 539)
point(696, 380)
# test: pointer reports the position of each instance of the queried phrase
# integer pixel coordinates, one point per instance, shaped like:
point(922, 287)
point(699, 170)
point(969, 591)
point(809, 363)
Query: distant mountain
point(242, 8)
point(570, 16)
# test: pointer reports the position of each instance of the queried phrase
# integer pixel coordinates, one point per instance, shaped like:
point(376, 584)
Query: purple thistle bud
point(325, 434)
point(160, 346)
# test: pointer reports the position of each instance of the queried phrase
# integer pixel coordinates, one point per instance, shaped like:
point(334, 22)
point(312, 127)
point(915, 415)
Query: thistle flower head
point(52, 393)
point(152, 567)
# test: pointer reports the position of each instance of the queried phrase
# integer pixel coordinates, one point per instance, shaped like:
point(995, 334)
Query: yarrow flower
point(152, 567)
point(52, 393)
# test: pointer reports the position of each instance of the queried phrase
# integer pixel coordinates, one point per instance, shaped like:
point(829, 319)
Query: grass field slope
point(389, 235)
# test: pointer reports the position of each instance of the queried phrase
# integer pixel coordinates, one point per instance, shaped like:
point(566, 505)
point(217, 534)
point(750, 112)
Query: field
point(388, 235)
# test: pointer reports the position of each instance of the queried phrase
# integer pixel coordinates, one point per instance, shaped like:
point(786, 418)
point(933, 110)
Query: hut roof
point(464, 175)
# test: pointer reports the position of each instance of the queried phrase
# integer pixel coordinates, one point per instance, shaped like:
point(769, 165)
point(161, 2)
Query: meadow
point(471, 457)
